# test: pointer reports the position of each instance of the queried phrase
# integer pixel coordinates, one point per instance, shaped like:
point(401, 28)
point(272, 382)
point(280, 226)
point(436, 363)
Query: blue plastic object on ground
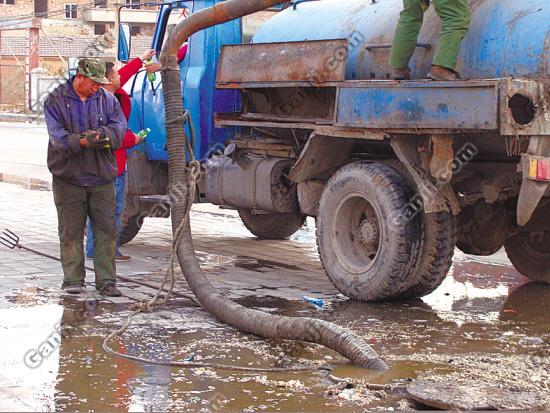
point(316, 302)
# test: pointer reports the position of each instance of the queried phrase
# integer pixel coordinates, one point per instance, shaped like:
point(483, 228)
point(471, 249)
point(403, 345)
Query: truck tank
point(507, 38)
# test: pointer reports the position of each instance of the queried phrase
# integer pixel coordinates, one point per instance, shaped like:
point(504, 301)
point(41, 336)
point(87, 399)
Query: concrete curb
point(26, 182)
point(42, 185)
point(22, 117)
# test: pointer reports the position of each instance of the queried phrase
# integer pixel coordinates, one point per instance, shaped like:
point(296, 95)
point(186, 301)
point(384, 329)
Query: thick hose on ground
point(252, 321)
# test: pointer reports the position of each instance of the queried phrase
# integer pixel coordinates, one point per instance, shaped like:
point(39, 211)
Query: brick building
point(78, 17)
point(47, 33)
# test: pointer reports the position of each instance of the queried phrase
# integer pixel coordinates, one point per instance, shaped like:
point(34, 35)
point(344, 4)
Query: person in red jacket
point(118, 79)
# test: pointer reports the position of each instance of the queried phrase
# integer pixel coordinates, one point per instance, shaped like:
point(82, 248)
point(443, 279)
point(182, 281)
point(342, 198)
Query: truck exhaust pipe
point(251, 321)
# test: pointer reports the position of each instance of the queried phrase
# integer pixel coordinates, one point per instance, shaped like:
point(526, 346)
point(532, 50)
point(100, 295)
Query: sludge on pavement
point(419, 341)
point(482, 327)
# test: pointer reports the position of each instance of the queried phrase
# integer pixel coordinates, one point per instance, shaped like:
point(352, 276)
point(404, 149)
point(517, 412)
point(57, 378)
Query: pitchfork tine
point(9, 239)
point(10, 246)
point(12, 235)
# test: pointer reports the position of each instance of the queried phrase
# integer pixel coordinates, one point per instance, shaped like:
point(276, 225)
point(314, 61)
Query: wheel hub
point(368, 229)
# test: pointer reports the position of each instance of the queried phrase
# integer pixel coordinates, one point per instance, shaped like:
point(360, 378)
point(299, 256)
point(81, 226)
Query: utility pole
point(117, 25)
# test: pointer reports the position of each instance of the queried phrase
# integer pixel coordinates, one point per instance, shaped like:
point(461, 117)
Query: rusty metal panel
point(315, 62)
point(461, 105)
point(525, 107)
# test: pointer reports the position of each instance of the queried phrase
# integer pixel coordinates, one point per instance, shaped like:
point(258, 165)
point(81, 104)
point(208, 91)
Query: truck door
point(198, 74)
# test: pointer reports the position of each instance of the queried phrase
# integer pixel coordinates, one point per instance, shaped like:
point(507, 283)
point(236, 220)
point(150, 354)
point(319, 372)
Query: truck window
point(176, 16)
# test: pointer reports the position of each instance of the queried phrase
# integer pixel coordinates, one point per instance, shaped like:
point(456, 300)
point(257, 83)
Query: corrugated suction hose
point(251, 321)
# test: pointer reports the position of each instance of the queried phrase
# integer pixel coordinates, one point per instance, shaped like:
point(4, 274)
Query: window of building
point(40, 8)
point(100, 3)
point(99, 29)
point(7, 2)
point(135, 3)
point(70, 11)
point(135, 30)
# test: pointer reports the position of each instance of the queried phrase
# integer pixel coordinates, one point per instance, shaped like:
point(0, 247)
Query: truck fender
point(320, 158)
point(435, 198)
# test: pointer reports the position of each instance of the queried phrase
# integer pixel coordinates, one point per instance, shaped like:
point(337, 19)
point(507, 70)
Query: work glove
point(96, 140)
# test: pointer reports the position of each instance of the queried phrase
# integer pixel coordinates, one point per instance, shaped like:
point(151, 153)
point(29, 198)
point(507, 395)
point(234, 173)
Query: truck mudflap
point(535, 166)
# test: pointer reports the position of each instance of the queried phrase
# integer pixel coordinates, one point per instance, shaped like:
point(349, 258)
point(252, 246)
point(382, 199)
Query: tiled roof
point(68, 46)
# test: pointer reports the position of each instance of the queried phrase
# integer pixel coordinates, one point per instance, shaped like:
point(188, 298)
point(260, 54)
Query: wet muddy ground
point(485, 329)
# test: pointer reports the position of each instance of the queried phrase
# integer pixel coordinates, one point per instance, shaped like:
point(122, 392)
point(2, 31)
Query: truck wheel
point(367, 244)
point(530, 254)
point(130, 228)
point(273, 225)
point(483, 229)
point(437, 254)
point(437, 248)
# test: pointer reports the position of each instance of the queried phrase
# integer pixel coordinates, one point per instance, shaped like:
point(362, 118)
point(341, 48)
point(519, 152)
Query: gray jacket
point(67, 116)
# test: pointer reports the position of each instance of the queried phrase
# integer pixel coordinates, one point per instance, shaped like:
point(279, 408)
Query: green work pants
point(455, 18)
point(74, 203)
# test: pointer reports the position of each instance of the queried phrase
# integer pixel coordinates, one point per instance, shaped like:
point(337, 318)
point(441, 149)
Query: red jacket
point(129, 141)
point(182, 51)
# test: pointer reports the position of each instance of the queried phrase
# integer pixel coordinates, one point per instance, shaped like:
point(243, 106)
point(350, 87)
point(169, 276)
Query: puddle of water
point(481, 325)
point(260, 265)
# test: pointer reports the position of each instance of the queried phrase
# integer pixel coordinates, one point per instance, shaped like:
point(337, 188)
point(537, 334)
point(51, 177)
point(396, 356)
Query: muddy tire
point(130, 228)
point(272, 226)
point(438, 247)
point(530, 254)
point(368, 250)
point(437, 254)
point(483, 229)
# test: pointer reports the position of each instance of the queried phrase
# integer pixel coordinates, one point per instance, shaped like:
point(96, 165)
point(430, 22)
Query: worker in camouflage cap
point(85, 125)
point(93, 69)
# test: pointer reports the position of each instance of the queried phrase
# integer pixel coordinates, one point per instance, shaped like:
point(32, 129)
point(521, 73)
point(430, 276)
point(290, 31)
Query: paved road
point(23, 149)
point(479, 328)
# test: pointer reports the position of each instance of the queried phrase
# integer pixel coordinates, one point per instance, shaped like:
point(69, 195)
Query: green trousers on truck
point(455, 18)
point(74, 203)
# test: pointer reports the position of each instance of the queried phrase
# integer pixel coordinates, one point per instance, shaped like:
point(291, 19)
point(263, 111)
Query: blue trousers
point(120, 189)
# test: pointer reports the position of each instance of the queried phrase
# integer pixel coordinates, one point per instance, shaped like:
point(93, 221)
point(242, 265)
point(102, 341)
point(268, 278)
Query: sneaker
point(442, 73)
point(74, 288)
point(122, 257)
point(401, 74)
point(110, 291)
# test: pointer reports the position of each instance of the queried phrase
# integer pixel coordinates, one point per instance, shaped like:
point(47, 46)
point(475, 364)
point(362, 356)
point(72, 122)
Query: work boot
point(110, 291)
point(74, 288)
point(442, 73)
point(122, 257)
point(401, 74)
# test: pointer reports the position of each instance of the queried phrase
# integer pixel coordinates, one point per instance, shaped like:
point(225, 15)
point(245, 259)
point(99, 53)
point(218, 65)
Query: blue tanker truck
point(301, 119)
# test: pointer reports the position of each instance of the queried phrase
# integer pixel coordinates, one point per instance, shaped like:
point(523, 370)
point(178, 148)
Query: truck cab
point(147, 163)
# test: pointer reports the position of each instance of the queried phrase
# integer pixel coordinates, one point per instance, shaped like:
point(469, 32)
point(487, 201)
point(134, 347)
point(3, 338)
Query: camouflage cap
point(93, 69)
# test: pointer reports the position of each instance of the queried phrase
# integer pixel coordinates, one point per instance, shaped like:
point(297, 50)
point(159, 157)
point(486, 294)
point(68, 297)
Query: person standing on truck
point(85, 125)
point(117, 80)
point(455, 17)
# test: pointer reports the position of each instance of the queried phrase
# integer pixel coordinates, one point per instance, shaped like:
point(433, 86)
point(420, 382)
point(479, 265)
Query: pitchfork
point(11, 240)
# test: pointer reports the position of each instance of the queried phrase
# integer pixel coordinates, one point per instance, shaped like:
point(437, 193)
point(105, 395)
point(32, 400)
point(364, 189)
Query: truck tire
point(273, 225)
point(438, 247)
point(437, 254)
point(530, 256)
point(483, 229)
point(366, 245)
point(130, 228)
